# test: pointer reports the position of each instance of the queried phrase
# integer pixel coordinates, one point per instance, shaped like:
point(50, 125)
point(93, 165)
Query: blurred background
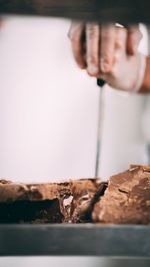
point(44, 101)
point(49, 116)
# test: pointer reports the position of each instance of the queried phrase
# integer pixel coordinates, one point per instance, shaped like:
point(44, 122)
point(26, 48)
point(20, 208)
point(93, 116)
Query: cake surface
point(127, 198)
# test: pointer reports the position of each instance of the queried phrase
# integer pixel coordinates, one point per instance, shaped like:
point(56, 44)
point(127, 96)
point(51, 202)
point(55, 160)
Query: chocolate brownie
point(71, 201)
point(127, 198)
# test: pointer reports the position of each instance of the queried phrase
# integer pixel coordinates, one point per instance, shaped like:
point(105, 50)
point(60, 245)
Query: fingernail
point(92, 69)
point(104, 66)
point(82, 67)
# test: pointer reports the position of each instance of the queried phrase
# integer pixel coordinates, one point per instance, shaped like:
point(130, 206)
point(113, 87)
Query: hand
point(93, 45)
point(127, 71)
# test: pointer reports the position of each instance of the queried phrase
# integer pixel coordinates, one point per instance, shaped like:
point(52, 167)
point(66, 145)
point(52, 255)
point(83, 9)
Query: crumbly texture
point(84, 201)
point(127, 198)
point(71, 201)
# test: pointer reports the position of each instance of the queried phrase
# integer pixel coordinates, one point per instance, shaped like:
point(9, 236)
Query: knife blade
point(100, 84)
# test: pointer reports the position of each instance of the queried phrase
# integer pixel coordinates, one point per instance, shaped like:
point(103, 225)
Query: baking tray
point(75, 240)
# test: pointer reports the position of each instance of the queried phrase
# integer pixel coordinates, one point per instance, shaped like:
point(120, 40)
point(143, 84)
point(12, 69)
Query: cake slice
point(127, 198)
point(71, 201)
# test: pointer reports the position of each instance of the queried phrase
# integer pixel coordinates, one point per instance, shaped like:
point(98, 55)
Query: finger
point(1, 22)
point(121, 39)
point(134, 38)
point(120, 44)
point(77, 38)
point(107, 47)
point(92, 48)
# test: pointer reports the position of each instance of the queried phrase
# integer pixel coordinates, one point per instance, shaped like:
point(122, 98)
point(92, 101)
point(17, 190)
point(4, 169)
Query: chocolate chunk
point(127, 198)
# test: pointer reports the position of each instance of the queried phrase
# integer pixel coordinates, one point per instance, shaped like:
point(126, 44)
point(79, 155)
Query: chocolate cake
point(71, 201)
point(127, 198)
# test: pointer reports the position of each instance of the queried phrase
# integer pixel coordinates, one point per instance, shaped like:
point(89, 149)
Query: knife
point(101, 84)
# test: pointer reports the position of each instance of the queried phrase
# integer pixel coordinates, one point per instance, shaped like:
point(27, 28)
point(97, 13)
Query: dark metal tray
point(71, 239)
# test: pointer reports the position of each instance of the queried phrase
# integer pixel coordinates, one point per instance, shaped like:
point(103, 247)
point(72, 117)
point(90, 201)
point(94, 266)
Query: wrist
point(145, 86)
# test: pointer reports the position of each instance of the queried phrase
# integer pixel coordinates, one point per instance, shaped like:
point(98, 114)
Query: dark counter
point(123, 11)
